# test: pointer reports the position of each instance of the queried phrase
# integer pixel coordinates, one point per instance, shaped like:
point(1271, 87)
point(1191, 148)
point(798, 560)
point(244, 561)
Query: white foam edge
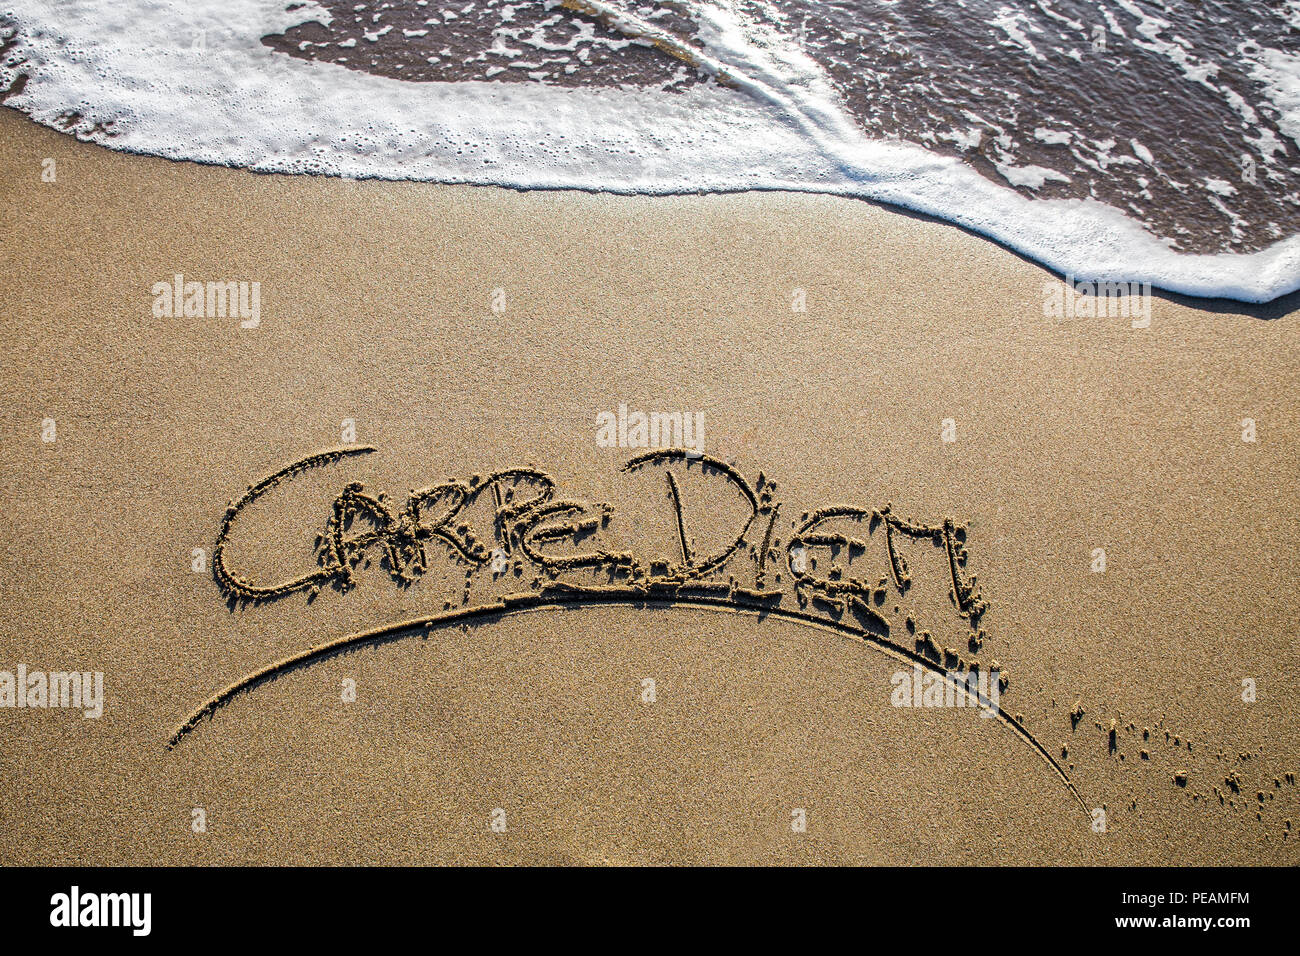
point(242, 104)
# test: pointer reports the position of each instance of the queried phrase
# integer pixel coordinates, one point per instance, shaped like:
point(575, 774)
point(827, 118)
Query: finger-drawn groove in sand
point(550, 553)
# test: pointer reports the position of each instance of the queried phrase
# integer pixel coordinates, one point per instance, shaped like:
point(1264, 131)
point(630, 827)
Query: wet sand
point(377, 309)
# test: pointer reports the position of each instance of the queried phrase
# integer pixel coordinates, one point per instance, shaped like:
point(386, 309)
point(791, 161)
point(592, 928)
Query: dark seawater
point(1160, 109)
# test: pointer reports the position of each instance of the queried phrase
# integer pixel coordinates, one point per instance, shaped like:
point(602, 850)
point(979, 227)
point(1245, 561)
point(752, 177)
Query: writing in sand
point(844, 559)
point(705, 537)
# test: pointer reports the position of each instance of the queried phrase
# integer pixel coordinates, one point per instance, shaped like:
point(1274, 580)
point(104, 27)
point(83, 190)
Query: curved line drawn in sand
point(527, 520)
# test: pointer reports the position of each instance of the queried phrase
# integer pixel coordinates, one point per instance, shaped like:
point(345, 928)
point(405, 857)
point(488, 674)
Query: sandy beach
point(467, 331)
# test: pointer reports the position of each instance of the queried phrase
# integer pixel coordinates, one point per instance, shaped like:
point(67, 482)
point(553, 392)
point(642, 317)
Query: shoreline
point(377, 308)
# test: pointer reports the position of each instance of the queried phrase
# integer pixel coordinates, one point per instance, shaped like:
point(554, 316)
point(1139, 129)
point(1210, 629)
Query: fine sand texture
point(365, 582)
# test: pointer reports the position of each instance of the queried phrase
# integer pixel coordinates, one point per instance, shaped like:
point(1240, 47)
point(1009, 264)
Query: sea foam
point(191, 80)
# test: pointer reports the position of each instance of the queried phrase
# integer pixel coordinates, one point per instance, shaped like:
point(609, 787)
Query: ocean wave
point(724, 96)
